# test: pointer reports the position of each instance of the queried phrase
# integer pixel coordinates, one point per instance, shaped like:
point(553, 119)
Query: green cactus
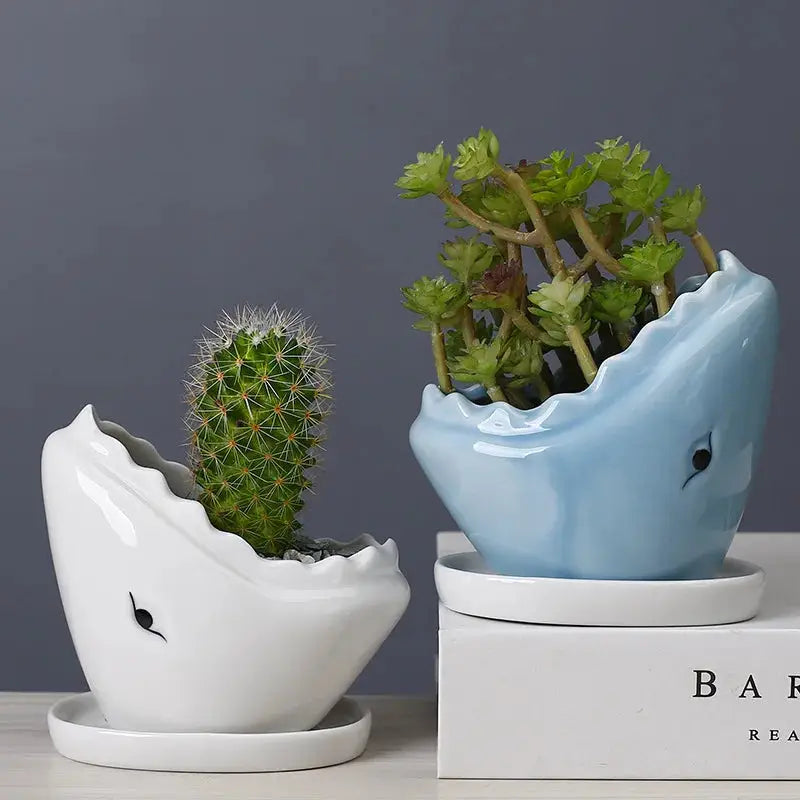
point(258, 395)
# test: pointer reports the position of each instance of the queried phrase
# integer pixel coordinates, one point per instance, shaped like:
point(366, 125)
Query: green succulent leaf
point(634, 166)
point(480, 363)
point(427, 176)
point(468, 259)
point(633, 225)
point(579, 180)
point(454, 344)
point(616, 161)
point(560, 303)
point(642, 192)
point(615, 301)
point(477, 156)
point(559, 183)
point(650, 261)
point(434, 298)
point(425, 324)
point(524, 361)
point(501, 205)
point(562, 297)
point(680, 211)
point(610, 159)
point(600, 216)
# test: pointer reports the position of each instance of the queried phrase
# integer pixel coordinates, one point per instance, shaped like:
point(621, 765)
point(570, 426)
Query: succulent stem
point(657, 230)
point(542, 389)
point(661, 296)
point(531, 239)
point(582, 352)
point(515, 182)
point(468, 326)
point(705, 251)
point(586, 262)
point(524, 324)
point(496, 394)
point(504, 331)
point(592, 243)
point(623, 334)
point(517, 397)
point(440, 359)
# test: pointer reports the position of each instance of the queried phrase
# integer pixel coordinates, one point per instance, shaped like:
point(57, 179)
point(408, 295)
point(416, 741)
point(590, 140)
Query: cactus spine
point(258, 395)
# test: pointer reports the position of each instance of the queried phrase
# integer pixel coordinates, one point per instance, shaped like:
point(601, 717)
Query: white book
point(538, 701)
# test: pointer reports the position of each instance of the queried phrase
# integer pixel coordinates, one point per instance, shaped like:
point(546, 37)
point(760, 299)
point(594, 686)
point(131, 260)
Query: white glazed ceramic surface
point(79, 732)
point(231, 642)
point(467, 586)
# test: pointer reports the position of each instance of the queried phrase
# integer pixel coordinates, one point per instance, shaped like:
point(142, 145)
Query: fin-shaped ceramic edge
point(136, 463)
point(561, 410)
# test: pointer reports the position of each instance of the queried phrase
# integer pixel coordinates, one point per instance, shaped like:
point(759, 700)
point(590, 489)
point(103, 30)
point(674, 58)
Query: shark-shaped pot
point(643, 475)
point(180, 627)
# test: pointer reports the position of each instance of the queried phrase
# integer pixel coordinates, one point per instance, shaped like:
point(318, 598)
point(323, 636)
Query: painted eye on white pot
point(701, 457)
point(144, 619)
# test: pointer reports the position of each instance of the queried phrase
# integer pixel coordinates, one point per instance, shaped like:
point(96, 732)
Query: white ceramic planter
point(181, 627)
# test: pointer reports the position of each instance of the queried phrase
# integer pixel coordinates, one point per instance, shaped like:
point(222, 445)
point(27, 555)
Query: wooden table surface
point(399, 764)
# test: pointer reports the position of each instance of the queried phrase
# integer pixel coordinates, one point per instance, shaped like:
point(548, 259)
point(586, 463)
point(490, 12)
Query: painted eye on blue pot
point(144, 619)
point(701, 457)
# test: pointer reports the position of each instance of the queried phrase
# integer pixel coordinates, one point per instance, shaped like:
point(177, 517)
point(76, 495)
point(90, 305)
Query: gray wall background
point(160, 161)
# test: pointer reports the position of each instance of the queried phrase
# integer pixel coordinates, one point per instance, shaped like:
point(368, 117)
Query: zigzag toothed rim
point(563, 409)
point(158, 479)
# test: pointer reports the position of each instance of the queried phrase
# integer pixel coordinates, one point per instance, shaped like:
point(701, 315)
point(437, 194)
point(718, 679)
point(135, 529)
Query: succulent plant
point(468, 259)
point(455, 343)
point(437, 302)
point(524, 367)
point(649, 263)
point(428, 175)
point(500, 287)
point(559, 182)
point(541, 206)
point(564, 312)
point(477, 156)
point(483, 362)
point(616, 303)
point(680, 212)
point(258, 395)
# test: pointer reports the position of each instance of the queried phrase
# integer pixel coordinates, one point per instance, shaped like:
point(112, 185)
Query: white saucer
point(466, 585)
point(79, 732)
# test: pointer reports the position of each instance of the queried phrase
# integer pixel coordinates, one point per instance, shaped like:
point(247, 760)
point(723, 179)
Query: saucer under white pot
point(180, 627)
point(80, 733)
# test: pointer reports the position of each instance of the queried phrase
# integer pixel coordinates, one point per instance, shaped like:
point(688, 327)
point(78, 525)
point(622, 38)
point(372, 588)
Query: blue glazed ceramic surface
point(616, 482)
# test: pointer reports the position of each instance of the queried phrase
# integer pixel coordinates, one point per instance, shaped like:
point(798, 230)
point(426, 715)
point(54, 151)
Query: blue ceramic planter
point(643, 475)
